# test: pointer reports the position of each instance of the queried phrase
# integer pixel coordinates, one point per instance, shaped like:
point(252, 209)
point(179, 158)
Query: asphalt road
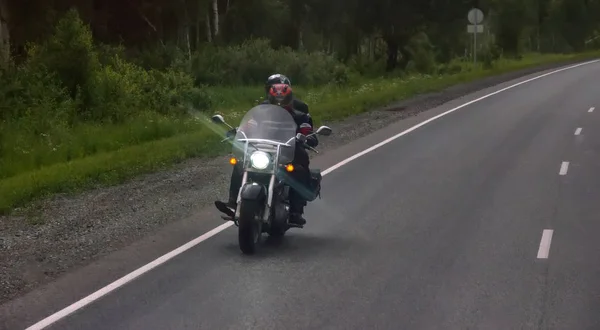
point(439, 229)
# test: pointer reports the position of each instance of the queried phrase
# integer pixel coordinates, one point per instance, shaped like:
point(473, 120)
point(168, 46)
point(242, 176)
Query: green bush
point(115, 92)
point(254, 60)
point(72, 99)
point(69, 52)
point(490, 54)
point(367, 67)
point(33, 94)
point(33, 104)
point(454, 67)
point(123, 90)
point(171, 91)
point(422, 54)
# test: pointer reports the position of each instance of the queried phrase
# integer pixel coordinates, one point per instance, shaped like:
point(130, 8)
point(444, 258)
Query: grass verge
point(327, 103)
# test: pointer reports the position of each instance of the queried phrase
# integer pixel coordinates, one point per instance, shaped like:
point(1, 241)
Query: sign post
point(475, 17)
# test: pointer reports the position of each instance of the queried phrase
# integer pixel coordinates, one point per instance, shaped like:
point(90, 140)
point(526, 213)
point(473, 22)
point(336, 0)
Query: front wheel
point(250, 229)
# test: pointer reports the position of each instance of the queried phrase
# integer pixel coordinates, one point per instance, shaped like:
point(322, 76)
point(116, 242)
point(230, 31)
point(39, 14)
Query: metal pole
point(475, 41)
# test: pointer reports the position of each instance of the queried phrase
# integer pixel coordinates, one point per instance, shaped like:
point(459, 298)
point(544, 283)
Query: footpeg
point(224, 209)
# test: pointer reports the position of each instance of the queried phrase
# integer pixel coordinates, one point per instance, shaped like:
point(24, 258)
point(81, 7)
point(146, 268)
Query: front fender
point(253, 192)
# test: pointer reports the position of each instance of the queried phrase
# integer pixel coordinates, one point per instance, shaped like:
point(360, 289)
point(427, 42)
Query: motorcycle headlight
point(260, 160)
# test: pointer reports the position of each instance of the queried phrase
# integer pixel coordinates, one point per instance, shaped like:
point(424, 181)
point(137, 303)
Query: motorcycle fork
point(267, 212)
point(239, 196)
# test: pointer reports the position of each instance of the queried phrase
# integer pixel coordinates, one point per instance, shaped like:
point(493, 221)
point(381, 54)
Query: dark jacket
point(305, 126)
point(300, 105)
point(303, 120)
point(297, 104)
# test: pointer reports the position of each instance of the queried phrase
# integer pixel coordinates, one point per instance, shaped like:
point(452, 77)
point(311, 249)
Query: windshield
point(266, 125)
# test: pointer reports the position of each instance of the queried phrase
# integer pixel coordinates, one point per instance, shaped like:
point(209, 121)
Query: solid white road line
point(591, 109)
point(564, 168)
point(578, 131)
point(545, 242)
point(161, 260)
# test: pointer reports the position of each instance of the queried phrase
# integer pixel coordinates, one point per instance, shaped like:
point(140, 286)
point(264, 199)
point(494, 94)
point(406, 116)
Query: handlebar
point(306, 146)
point(232, 132)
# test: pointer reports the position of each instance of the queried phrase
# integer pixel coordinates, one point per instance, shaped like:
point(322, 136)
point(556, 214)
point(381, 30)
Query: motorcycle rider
point(278, 78)
point(281, 94)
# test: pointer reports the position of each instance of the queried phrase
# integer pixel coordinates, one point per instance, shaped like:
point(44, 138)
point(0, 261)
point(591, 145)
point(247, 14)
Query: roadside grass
point(104, 155)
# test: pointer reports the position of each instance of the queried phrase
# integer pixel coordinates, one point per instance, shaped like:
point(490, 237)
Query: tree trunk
point(198, 21)
point(392, 55)
point(4, 34)
point(215, 12)
point(197, 35)
point(402, 41)
point(209, 33)
point(186, 29)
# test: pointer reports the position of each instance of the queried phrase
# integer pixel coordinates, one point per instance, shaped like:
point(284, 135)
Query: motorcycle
point(264, 145)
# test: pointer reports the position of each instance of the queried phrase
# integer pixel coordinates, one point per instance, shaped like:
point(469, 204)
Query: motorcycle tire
point(249, 229)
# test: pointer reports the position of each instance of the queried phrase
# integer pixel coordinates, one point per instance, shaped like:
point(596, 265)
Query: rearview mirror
point(324, 130)
point(218, 119)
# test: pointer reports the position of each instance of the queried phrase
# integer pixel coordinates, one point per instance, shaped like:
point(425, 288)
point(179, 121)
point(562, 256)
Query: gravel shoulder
point(54, 236)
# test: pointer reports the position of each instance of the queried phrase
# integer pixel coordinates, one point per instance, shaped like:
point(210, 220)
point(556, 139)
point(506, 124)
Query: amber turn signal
point(289, 168)
point(232, 161)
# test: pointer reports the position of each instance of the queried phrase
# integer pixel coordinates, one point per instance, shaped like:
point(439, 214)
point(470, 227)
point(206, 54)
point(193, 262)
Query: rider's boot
point(296, 211)
point(297, 203)
point(297, 219)
point(227, 207)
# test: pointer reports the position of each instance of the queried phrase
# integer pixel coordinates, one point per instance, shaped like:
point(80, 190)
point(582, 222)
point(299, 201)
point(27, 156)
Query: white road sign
point(475, 16)
point(472, 28)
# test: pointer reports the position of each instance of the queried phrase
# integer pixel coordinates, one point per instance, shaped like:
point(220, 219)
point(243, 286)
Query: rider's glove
point(231, 133)
point(301, 137)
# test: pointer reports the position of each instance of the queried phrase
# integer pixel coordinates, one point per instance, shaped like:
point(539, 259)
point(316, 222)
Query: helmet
point(276, 79)
point(281, 94)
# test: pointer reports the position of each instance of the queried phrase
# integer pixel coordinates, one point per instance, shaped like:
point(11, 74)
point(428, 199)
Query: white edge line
point(564, 168)
point(578, 130)
point(591, 109)
point(545, 242)
point(126, 279)
point(382, 143)
point(161, 260)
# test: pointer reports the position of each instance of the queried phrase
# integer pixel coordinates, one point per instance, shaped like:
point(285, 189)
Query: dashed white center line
point(564, 168)
point(545, 242)
point(578, 131)
point(591, 109)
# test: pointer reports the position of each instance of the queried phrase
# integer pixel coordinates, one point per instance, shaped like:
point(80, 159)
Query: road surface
point(485, 218)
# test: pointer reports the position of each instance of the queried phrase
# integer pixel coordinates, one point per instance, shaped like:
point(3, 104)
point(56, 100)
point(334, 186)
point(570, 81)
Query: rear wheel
point(250, 229)
point(276, 231)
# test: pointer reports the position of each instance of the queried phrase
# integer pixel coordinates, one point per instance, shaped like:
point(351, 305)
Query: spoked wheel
point(250, 229)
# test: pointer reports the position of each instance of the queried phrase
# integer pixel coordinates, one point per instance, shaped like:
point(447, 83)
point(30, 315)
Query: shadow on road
point(296, 245)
